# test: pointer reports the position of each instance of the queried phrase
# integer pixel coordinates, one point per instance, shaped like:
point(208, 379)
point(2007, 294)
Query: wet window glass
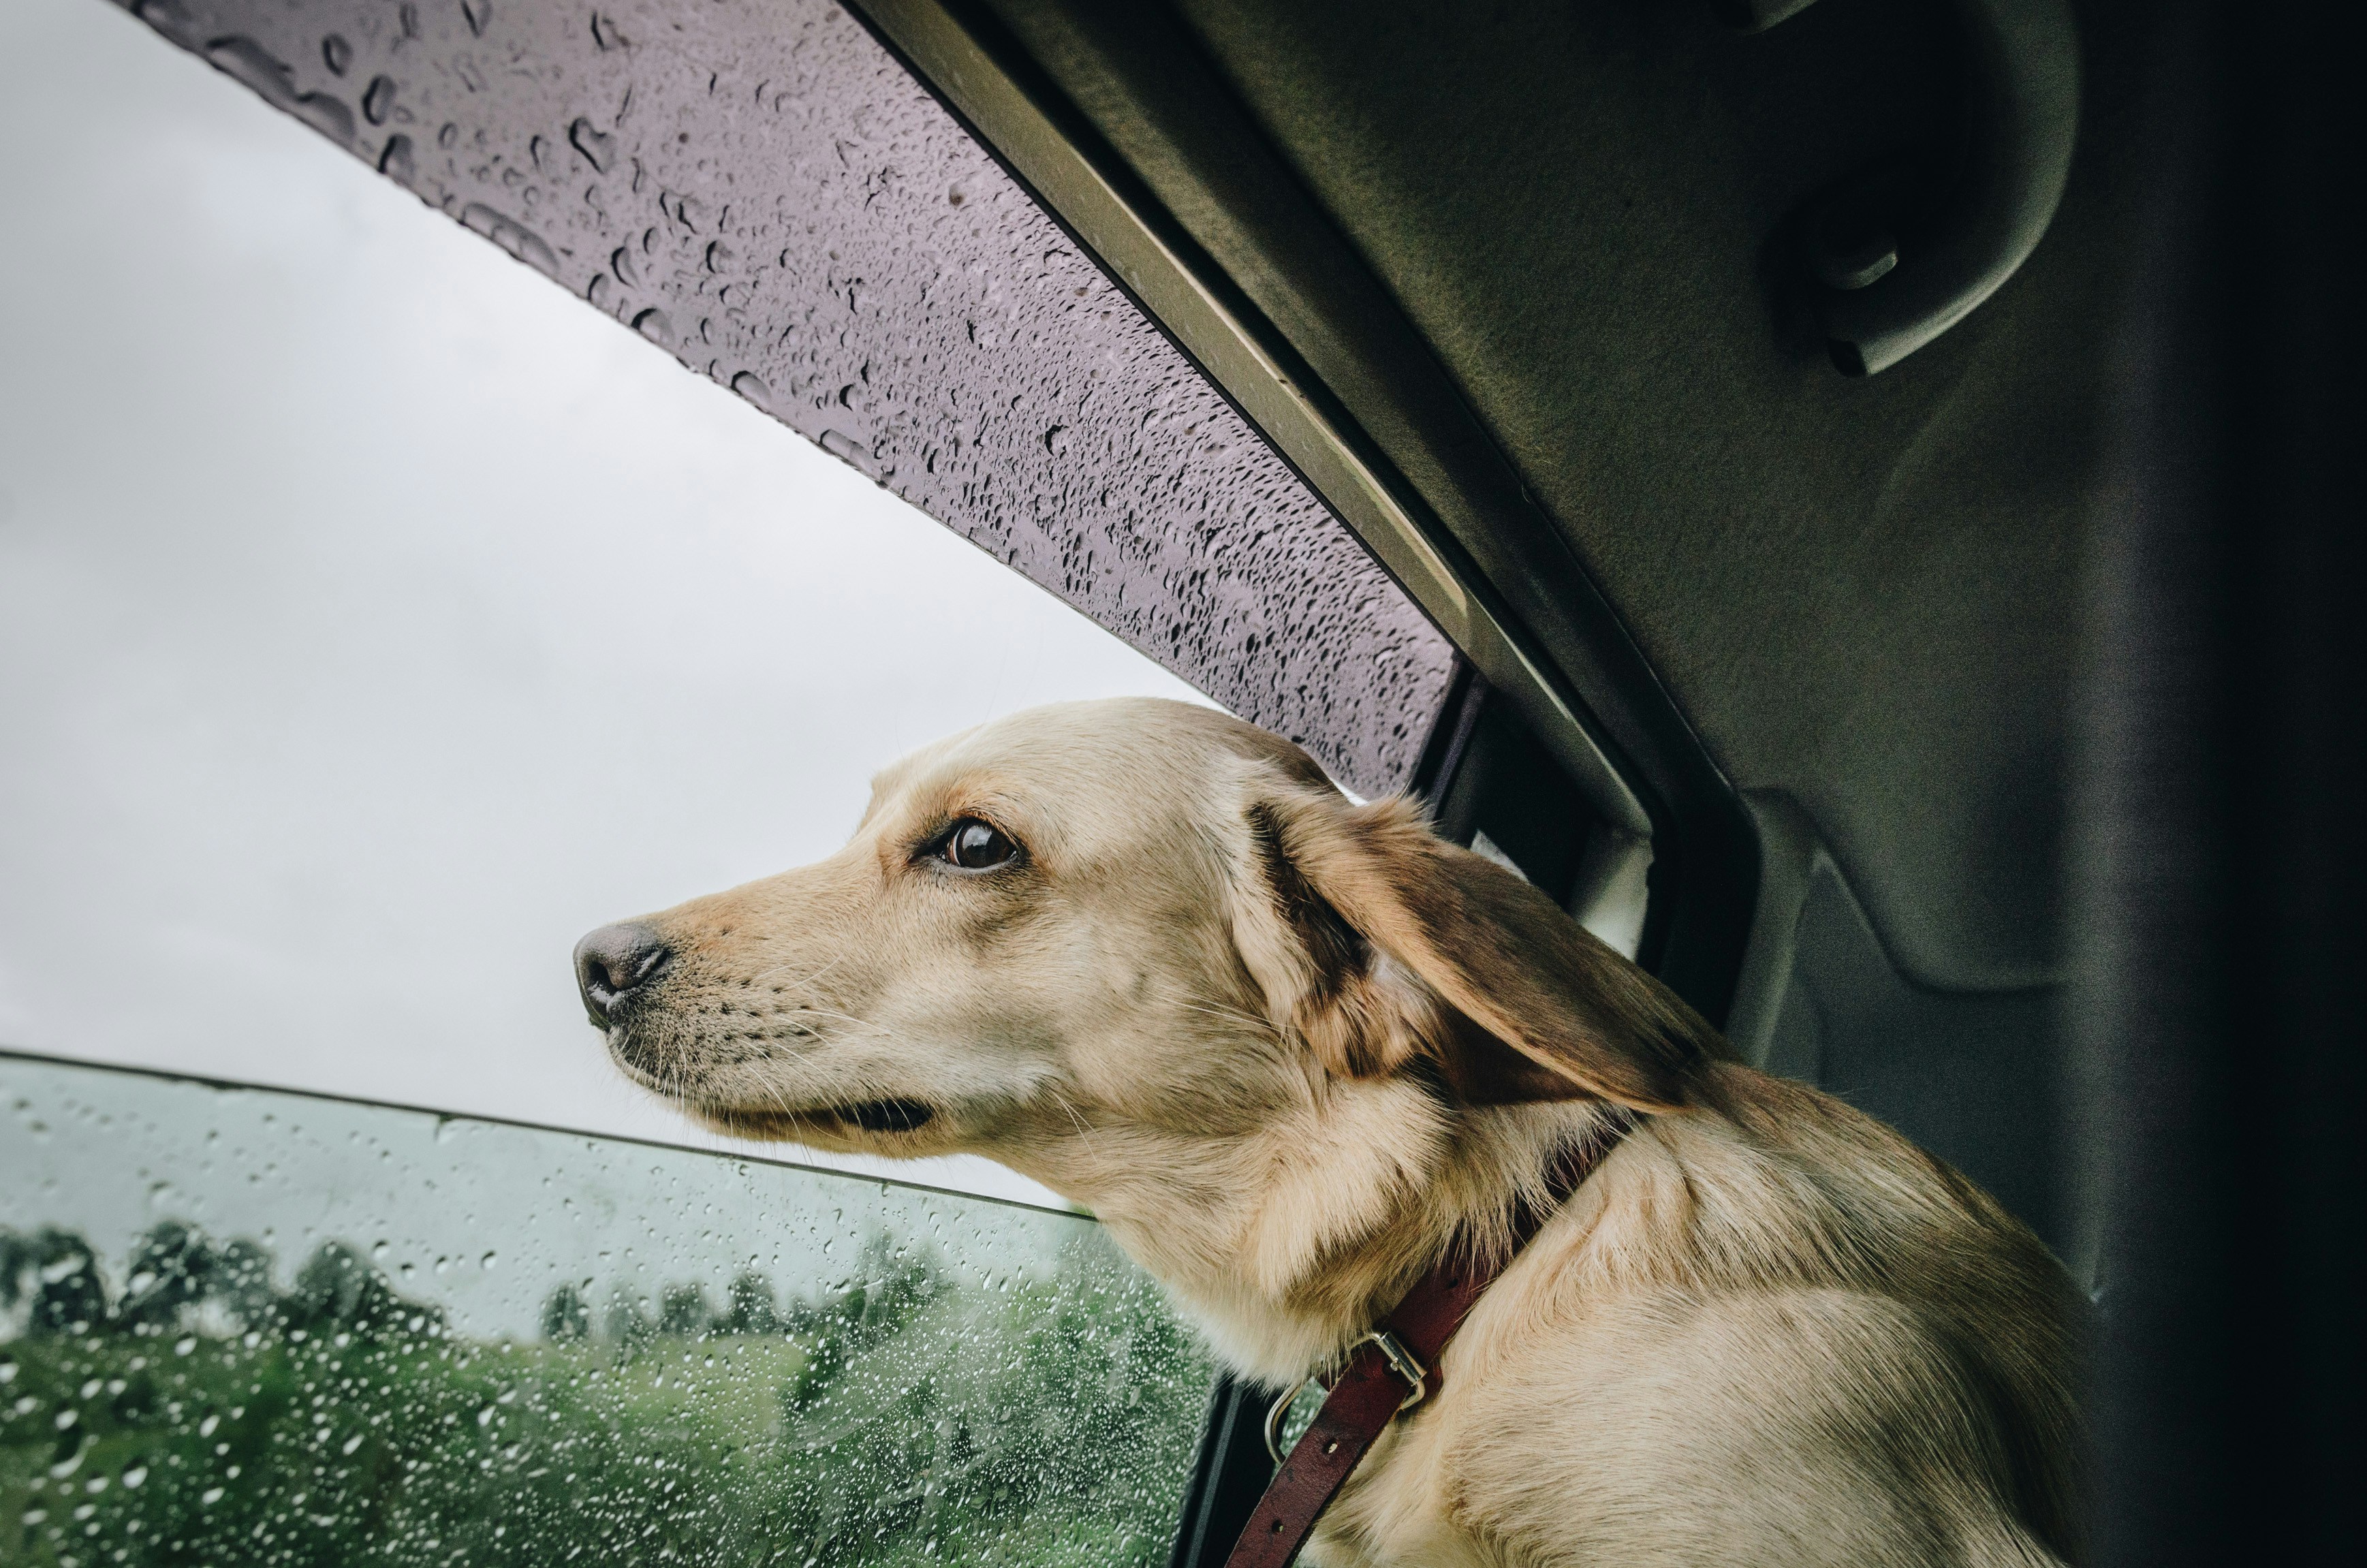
point(758, 188)
point(248, 1326)
point(375, 618)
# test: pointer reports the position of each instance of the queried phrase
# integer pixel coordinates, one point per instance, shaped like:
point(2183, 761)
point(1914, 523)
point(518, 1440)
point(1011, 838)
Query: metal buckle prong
point(1402, 1362)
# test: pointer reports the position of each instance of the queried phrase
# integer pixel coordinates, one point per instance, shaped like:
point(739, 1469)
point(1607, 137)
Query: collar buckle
point(1402, 1361)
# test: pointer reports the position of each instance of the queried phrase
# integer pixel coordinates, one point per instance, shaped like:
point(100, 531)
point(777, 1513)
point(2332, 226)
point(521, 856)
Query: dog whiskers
point(1084, 1133)
point(1234, 1015)
point(796, 1118)
point(762, 975)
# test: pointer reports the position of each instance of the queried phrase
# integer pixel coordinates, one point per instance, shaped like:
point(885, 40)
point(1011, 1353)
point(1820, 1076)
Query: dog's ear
point(1377, 941)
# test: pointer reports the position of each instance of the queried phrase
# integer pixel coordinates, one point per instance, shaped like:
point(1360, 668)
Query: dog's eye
point(975, 846)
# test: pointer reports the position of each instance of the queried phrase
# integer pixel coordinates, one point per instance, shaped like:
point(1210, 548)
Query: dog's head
point(1101, 919)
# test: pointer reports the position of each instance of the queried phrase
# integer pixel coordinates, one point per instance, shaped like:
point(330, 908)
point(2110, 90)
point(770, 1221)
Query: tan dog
point(1289, 1050)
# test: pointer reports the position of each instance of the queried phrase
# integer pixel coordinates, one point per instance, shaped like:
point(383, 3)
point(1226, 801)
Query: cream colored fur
point(1289, 1050)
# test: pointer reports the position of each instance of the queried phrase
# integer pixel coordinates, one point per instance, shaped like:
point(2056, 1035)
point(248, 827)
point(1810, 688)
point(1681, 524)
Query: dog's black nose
point(613, 961)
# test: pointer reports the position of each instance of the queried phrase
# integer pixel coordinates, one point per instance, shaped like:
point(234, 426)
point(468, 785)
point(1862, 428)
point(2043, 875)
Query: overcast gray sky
point(375, 618)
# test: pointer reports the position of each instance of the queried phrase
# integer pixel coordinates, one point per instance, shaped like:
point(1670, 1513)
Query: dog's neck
point(1288, 1240)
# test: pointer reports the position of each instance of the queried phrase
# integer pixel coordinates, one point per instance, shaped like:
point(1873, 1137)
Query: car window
point(377, 619)
point(238, 1325)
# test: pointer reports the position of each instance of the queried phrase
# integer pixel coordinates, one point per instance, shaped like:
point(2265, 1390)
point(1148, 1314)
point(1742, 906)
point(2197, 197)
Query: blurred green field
point(198, 1415)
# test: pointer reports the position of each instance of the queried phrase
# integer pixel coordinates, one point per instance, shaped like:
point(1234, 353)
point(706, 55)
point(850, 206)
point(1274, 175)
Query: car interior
point(1845, 495)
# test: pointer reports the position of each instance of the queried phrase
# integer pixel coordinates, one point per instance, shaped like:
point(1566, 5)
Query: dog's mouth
point(888, 1116)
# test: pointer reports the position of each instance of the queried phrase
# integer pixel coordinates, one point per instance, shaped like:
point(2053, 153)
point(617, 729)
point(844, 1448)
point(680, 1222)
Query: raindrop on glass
point(523, 244)
point(170, 17)
point(598, 150)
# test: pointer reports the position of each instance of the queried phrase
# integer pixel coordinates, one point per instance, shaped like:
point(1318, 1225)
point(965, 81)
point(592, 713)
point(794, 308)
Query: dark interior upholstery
point(1861, 592)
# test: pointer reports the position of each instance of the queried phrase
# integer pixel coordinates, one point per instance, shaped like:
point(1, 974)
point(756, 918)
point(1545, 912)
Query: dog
point(1290, 1048)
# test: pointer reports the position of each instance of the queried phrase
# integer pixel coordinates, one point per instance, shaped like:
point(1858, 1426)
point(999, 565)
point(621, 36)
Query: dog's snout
point(613, 961)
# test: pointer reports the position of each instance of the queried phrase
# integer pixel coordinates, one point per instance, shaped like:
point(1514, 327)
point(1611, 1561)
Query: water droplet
point(337, 53)
point(170, 17)
point(480, 13)
point(752, 386)
point(604, 33)
point(395, 162)
point(653, 325)
point(489, 1259)
point(135, 1475)
point(598, 150)
point(248, 61)
point(378, 99)
point(627, 273)
point(845, 449)
point(326, 115)
point(256, 66)
point(523, 244)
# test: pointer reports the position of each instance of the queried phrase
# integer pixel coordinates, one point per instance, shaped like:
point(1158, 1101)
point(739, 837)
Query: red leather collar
point(1394, 1369)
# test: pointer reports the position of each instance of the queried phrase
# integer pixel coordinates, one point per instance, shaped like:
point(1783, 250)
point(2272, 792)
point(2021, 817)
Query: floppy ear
point(1378, 941)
